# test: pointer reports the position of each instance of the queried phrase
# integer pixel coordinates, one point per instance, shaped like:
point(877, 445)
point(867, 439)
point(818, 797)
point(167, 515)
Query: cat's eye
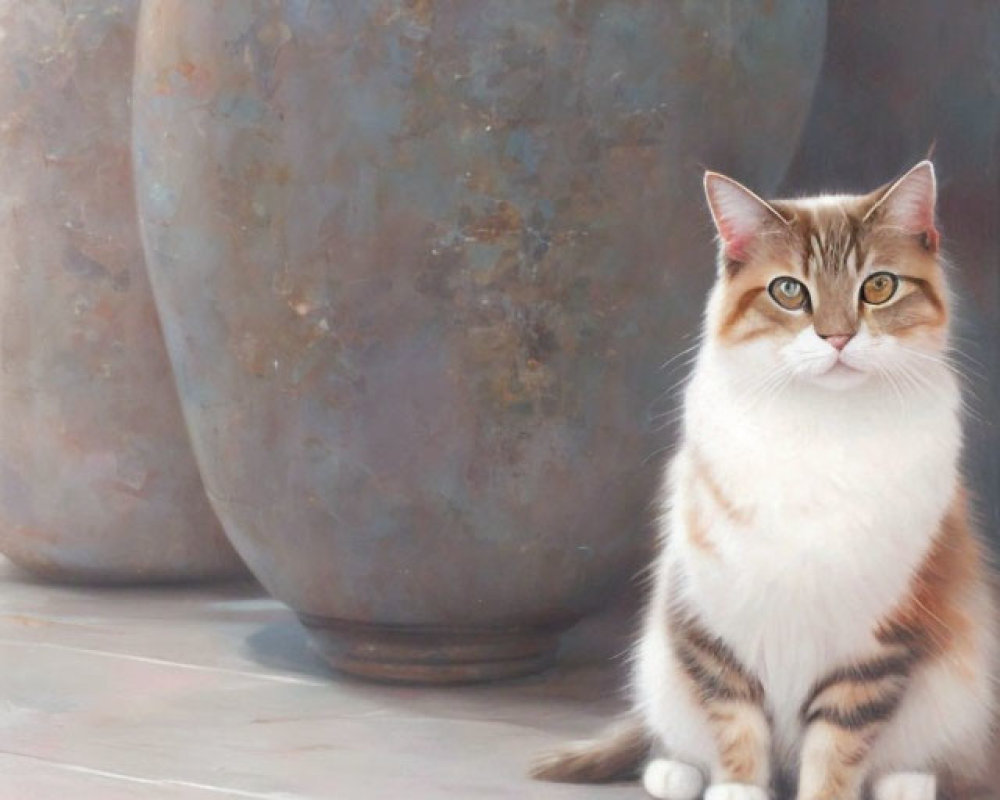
point(879, 288)
point(788, 293)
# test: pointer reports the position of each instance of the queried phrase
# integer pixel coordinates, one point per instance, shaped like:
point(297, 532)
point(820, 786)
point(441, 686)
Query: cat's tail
point(617, 755)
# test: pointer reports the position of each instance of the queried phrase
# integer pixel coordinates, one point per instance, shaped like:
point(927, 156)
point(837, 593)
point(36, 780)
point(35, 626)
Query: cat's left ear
point(908, 204)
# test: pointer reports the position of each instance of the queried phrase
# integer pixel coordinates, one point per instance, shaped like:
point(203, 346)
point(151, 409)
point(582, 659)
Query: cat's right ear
point(740, 215)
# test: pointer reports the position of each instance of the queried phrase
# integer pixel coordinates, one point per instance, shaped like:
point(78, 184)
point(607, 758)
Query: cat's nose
point(839, 340)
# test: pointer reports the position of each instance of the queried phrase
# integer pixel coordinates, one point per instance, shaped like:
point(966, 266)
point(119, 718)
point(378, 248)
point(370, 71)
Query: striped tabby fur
point(821, 621)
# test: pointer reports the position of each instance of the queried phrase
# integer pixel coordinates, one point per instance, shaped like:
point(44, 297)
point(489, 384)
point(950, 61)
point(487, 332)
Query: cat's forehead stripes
point(831, 231)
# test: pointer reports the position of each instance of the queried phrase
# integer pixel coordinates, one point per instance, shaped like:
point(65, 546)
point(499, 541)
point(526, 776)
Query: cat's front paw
point(906, 786)
point(736, 791)
point(672, 780)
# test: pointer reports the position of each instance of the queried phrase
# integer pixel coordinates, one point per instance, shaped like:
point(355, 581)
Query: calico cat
point(822, 622)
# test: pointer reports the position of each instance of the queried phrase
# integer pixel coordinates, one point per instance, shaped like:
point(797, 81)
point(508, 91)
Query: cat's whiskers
point(893, 384)
point(970, 398)
point(667, 448)
point(667, 419)
point(916, 382)
point(949, 360)
point(692, 349)
point(770, 384)
point(675, 392)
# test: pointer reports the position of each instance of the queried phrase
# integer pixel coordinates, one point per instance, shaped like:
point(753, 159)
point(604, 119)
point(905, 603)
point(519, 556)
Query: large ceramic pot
point(418, 263)
point(97, 478)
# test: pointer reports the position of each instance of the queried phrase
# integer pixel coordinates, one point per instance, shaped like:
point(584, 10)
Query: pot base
point(431, 655)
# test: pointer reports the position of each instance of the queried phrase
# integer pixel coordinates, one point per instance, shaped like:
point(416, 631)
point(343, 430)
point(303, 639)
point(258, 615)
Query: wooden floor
point(201, 694)
point(198, 694)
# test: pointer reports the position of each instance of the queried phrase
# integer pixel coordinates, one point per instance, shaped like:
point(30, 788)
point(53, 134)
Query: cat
point(821, 623)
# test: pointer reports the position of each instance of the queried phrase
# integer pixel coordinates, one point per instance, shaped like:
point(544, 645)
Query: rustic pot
point(418, 263)
point(97, 479)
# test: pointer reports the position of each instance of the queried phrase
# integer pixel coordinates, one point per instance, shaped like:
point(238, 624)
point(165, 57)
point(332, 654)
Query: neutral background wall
point(897, 78)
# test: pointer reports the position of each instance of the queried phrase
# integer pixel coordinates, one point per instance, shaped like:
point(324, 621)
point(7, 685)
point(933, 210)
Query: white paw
point(735, 791)
point(672, 780)
point(906, 786)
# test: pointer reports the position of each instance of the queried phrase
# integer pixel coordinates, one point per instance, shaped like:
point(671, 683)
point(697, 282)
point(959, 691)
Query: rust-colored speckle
point(503, 221)
point(186, 69)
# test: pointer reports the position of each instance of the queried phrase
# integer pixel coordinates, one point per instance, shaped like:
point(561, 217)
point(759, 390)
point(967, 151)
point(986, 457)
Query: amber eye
point(879, 288)
point(788, 293)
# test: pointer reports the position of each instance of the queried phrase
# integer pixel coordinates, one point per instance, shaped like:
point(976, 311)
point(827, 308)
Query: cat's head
point(834, 291)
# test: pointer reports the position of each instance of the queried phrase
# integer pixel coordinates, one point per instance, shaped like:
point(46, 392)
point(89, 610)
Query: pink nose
point(839, 340)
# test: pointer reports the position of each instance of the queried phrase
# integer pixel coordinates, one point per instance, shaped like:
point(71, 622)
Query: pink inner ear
point(739, 215)
point(918, 216)
point(910, 203)
point(735, 244)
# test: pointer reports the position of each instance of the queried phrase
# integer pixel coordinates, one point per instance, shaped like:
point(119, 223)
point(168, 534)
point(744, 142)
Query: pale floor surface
point(212, 692)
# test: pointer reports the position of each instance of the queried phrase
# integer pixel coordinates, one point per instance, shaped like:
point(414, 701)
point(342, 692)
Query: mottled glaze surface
point(97, 479)
point(419, 263)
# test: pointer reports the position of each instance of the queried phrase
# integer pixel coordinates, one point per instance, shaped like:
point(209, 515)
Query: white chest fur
point(838, 496)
